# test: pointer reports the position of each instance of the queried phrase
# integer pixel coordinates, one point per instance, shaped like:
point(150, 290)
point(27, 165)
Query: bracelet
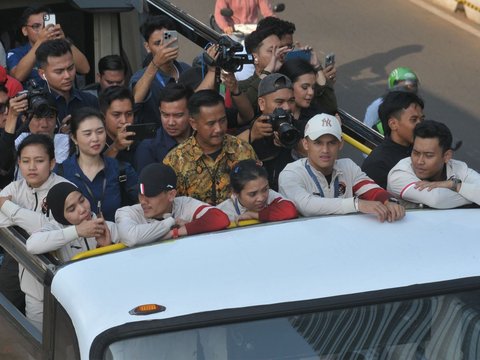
point(175, 234)
point(265, 72)
point(355, 203)
point(153, 62)
point(236, 93)
point(393, 200)
point(318, 68)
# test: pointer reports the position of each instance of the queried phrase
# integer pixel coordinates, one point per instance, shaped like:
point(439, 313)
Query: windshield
point(439, 327)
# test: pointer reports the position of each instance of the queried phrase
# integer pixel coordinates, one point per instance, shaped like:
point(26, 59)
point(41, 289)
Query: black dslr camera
point(38, 98)
point(227, 58)
point(282, 123)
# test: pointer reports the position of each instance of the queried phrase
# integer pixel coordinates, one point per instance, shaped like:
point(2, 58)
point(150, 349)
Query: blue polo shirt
point(78, 99)
point(105, 187)
point(15, 55)
point(147, 111)
point(154, 150)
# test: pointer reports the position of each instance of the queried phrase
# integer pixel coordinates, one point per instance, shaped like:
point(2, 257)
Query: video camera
point(282, 123)
point(39, 101)
point(227, 58)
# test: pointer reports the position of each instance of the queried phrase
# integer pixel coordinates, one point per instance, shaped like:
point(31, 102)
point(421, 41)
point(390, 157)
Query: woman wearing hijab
point(73, 229)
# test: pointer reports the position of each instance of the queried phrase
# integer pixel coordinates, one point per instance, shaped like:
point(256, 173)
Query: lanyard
point(336, 184)
point(237, 208)
point(160, 79)
point(90, 192)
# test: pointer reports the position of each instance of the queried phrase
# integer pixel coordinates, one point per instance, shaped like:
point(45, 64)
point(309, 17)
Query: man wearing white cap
point(322, 185)
point(160, 214)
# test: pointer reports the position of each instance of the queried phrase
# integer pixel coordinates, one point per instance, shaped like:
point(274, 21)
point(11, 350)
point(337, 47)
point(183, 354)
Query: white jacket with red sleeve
point(402, 179)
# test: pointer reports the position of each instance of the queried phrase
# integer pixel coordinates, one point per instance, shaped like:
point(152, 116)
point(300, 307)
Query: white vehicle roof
point(268, 264)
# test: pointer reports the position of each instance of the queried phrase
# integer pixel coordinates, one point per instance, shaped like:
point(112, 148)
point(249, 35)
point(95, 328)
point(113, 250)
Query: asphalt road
point(371, 38)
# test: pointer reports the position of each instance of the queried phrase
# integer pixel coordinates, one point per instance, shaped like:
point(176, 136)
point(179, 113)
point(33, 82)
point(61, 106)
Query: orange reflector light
point(147, 309)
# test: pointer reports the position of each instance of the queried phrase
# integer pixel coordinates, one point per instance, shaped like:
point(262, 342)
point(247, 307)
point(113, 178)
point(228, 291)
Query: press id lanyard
point(336, 184)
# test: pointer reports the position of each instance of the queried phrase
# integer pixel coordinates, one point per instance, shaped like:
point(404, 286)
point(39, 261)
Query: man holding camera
point(40, 118)
point(273, 134)
point(21, 61)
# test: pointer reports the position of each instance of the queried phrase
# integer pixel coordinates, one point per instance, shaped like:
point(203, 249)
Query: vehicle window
point(440, 327)
point(66, 345)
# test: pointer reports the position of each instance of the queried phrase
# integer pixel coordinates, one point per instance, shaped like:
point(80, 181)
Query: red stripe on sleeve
point(214, 219)
point(358, 185)
point(279, 209)
point(200, 208)
point(405, 188)
point(377, 195)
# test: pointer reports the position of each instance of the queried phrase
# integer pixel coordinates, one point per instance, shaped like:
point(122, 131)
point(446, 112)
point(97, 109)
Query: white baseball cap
point(322, 124)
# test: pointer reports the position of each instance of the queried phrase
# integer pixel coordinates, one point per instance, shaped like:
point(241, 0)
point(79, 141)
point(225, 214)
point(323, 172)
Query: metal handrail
point(13, 242)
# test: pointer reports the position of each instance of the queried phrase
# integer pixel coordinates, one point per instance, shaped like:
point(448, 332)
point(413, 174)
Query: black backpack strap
point(122, 173)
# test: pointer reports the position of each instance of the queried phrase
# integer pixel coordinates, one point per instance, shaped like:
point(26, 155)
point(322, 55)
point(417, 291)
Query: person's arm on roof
point(278, 209)
point(373, 199)
point(402, 183)
point(11, 214)
point(134, 232)
point(205, 219)
point(50, 238)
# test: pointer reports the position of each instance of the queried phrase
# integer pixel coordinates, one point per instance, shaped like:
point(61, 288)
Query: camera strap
point(336, 184)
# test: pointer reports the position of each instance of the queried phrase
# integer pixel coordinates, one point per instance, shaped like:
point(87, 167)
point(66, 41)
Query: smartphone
point(168, 36)
point(49, 19)
point(329, 59)
point(298, 54)
point(142, 131)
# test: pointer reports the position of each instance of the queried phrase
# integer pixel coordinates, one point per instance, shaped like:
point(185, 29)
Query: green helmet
point(402, 74)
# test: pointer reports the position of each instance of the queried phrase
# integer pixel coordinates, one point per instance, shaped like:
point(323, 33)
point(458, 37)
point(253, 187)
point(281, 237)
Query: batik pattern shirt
point(202, 177)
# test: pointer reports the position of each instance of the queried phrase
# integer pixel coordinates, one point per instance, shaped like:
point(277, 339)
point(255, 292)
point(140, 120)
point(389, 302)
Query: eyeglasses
point(35, 27)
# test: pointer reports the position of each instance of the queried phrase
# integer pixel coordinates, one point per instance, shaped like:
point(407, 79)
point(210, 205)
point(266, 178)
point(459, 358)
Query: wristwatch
point(455, 181)
point(394, 200)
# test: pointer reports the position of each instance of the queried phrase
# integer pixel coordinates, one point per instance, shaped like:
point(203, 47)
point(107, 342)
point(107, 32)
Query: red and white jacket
point(402, 179)
point(134, 228)
point(277, 209)
point(348, 181)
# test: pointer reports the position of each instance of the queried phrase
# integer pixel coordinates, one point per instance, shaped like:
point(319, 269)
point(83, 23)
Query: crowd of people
point(78, 169)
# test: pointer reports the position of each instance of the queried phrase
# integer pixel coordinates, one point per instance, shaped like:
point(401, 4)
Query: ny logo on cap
point(327, 122)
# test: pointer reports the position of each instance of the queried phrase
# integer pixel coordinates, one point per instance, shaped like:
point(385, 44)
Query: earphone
point(44, 77)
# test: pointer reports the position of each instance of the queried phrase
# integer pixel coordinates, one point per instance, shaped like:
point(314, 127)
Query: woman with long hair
point(105, 182)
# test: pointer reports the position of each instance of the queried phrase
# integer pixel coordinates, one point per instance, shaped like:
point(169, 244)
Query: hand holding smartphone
point(299, 54)
point(142, 131)
point(170, 37)
point(49, 19)
point(329, 59)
